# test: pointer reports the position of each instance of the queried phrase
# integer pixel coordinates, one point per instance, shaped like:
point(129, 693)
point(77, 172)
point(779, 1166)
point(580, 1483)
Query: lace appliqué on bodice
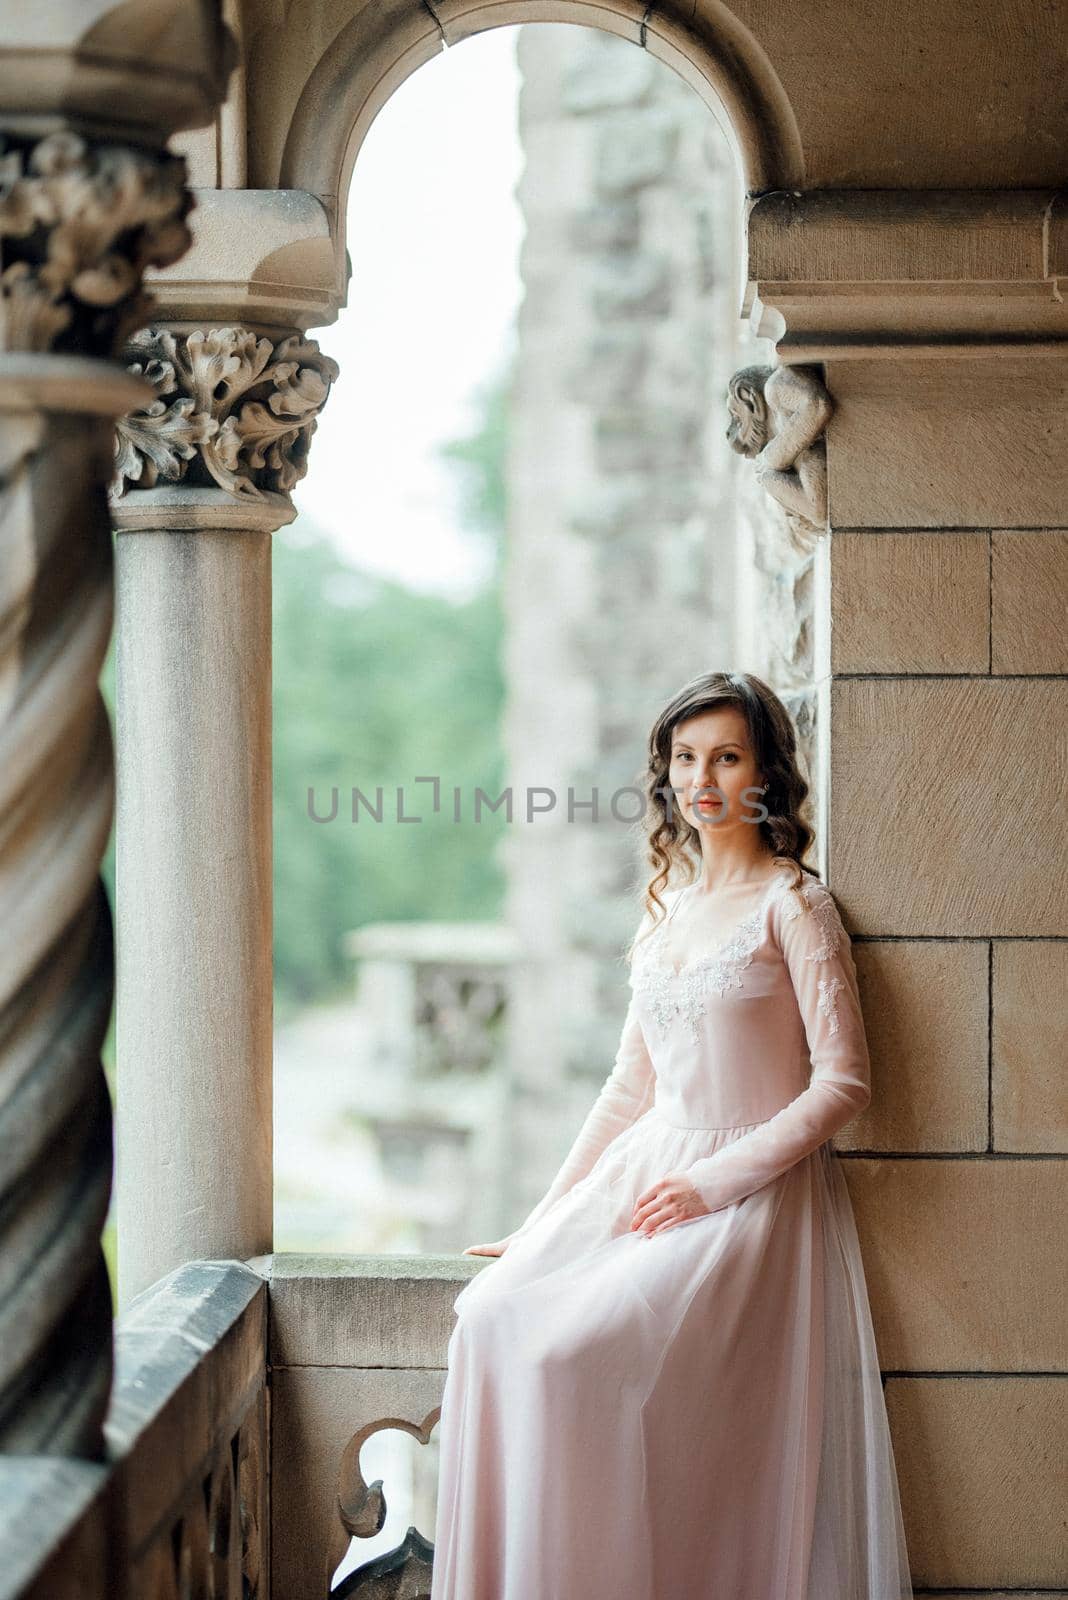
point(670, 994)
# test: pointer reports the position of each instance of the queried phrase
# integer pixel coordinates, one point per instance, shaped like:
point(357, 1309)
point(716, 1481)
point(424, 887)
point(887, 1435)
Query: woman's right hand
point(497, 1248)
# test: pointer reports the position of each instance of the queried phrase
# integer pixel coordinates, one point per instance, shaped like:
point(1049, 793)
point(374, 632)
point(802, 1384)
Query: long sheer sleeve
point(818, 953)
point(625, 1094)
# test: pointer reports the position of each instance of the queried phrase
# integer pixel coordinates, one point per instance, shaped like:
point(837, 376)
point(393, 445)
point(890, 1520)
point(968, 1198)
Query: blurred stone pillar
point(89, 199)
point(942, 669)
point(631, 524)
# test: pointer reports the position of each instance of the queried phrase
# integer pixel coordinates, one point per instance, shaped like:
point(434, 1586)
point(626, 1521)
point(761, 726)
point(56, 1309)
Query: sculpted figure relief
point(778, 415)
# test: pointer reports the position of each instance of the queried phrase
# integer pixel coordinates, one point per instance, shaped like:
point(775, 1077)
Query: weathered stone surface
point(1029, 1067)
point(945, 775)
point(908, 602)
point(188, 1352)
point(955, 444)
point(260, 257)
point(607, 225)
point(898, 236)
point(315, 1412)
point(610, 367)
point(605, 74)
point(966, 1260)
point(1029, 602)
point(364, 1311)
point(984, 1478)
point(811, 98)
point(193, 672)
point(634, 285)
point(925, 1011)
point(634, 149)
point(57, 1520)
point(650, 438)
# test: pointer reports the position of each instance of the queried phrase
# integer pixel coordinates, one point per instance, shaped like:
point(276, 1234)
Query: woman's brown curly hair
point(672, 839)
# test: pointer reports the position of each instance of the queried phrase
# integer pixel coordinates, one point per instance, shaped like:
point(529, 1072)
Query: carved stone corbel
point(233, 410)
point(778, 417)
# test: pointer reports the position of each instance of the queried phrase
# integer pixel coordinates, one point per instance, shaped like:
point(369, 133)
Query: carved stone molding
point(233, 410)
point(778, 416)
point(405, 1570)
point(79, 223)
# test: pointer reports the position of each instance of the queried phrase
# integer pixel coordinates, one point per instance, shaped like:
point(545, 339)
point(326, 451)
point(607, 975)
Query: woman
point(667, 1387)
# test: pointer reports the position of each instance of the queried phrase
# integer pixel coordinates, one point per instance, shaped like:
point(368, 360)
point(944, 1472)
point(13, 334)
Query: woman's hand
point(673, 1199)
point(497, 1248)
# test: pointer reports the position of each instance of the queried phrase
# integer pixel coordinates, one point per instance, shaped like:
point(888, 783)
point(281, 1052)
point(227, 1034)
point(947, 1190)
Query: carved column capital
point(79, 223)
point(234, 410)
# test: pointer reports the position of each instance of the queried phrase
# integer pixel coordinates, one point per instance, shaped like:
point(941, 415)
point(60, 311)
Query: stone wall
point(944, 684)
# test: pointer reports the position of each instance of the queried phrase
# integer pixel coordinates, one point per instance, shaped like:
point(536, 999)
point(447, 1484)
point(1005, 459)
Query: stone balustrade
point(356, 1343)
point(179, 1506)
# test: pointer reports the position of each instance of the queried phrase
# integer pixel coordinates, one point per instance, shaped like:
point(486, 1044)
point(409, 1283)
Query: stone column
point(203, 480)
point(89, 198)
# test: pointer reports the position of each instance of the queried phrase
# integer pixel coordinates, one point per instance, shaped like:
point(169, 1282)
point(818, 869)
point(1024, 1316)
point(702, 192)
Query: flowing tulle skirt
point(697, 1415)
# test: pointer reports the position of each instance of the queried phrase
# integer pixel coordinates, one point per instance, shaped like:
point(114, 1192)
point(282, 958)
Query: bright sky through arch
point(434, 231)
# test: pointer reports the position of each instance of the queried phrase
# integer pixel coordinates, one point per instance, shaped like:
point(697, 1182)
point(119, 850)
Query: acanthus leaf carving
point(243, 417)
point(79, 223)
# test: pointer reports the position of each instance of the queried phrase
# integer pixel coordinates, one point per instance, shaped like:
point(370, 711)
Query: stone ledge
point(190, 1352)
point(362, 1311)
point(927, 274)
point(889, 236)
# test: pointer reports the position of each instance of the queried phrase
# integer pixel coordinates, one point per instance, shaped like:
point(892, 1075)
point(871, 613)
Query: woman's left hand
point(673, 1199)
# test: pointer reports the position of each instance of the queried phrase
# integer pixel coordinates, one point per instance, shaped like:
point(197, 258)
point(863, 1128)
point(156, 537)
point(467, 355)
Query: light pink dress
point(697, 1415)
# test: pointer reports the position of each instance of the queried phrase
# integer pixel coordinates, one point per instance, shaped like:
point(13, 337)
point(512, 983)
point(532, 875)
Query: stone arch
point(385, 43)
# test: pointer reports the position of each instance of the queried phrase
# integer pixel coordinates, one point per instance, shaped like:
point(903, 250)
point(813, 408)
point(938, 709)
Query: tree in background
point(374, 685)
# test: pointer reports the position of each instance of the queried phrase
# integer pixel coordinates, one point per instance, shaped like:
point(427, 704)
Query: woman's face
point(712, 765)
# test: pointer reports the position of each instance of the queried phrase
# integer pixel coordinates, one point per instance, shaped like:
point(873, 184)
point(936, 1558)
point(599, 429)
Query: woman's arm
point(818, 953)
point(625, 1094)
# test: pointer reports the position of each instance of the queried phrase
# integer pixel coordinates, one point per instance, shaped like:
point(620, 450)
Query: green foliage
point(482, 458)
point(376, 685)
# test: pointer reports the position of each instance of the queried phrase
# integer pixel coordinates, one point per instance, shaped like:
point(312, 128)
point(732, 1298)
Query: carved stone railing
point(432, 1076)
point(179, 1508)
point(434, 994)
point(358, 1345)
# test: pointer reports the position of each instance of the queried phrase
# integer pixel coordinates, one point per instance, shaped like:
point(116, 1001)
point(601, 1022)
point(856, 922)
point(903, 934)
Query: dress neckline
point(714, 951)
